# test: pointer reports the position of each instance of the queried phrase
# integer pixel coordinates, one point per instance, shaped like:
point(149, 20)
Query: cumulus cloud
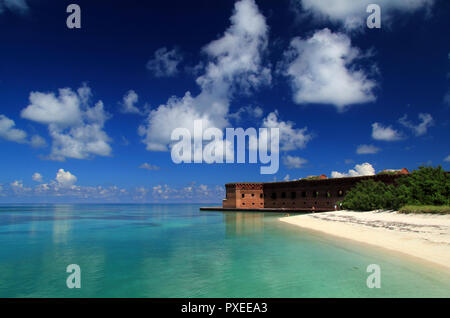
point(286, 178)
point(64, 187)
point(367, 149)
point(165, 63)
point(290, 137)
point(292, 162)
point(65, 179)
point(380, 132)
point(247, 111)
point(447, 98)
point(234, 65)
point(75, 126)
point(38, 142)
point(129, 102)
point(148, 166)
point(447, 159)
point(190, 193)
point(364, 169)
point(8, 132)
point(18, 187)
point(426, 120)
point(20, 6)
point(37, 177)
point(352, 14)
point(322, 70)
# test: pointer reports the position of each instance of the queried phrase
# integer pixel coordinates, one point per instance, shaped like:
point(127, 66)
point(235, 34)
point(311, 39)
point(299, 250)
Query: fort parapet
point(310, 194)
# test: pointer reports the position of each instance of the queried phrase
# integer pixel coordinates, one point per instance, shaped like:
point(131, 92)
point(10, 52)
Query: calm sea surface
point(178, 251)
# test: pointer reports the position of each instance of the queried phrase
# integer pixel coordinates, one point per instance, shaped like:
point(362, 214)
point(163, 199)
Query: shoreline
point(422, 236)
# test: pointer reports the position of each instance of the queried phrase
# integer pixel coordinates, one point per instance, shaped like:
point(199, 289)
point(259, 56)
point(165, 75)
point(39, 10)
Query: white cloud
point(20, 6)
point(249, 111)
point(367, 149)
point(165, 63)
point(352, 14)
point(193, 192)
point(364, 169)
point(46, 108)
point(286, 178)
point(292, 162)
point(18, 187)
point(37, 177)
point(447, 159)
point(290, 138)
point(322, 70)
point(447, 98)
point(8, 132)
point(148, 166)
point(76, 127)
point(38, 142)
point(379, 132)
point(426, 120)
point(65, 179)
point(129, 102)
point(234, 65)
point(63, 187)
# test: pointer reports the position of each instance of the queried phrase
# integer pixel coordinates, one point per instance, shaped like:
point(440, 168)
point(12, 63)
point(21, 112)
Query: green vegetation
point(431, 209)
point(386, 172)
point(312, 178)
point(423, 187)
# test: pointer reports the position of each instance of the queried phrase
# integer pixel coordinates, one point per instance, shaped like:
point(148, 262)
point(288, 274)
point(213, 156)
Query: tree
point(427, 186)
point(424, 186)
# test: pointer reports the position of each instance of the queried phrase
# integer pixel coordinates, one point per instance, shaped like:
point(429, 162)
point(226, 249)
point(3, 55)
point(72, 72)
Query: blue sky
point(86, 114)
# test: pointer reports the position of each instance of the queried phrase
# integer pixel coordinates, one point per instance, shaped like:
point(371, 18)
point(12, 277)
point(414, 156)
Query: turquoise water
point(179, 251)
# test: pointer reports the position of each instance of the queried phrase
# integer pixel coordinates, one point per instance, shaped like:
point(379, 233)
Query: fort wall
point(302, 194)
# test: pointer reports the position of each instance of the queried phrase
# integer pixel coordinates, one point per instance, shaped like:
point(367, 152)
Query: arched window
point(243, 195)
point(283, 195)
point(293, 195)
point(274, 196)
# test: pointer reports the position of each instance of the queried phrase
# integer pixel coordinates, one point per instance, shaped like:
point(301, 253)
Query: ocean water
point(179, 251)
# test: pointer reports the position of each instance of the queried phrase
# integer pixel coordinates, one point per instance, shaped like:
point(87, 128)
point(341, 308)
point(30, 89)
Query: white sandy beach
point(423, 236)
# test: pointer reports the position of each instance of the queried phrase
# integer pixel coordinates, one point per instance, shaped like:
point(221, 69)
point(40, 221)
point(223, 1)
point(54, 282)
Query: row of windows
point(304, 194)
point(304, 203)
point(293, 203)
point(260, 195)
point(253, 203)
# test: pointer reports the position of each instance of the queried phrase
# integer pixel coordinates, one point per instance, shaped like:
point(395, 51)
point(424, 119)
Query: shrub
point(371, 195)
point(432, 209)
